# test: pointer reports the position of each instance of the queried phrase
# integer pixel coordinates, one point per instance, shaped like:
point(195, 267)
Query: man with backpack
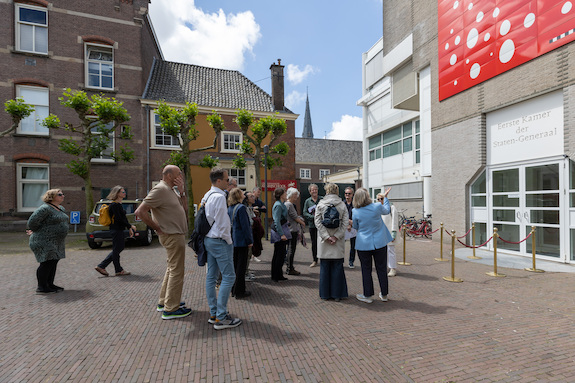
point(219, 247)
point(168, 218)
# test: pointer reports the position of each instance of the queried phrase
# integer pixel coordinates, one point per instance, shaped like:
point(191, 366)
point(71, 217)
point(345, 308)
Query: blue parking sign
point(74, 217)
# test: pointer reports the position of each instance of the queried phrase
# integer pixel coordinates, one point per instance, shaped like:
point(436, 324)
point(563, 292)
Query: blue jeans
point(220, 259)
point(332, 282)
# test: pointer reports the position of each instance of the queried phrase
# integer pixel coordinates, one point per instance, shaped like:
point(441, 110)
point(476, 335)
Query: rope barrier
point(465, 235)
point(478, 246)
point(516, 243)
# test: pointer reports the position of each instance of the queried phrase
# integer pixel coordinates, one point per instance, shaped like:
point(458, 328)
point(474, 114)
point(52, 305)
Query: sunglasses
point(380, 199)
point(347, 193)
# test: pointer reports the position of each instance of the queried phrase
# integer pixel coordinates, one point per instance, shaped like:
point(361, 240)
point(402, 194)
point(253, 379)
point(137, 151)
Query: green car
point(96, 233)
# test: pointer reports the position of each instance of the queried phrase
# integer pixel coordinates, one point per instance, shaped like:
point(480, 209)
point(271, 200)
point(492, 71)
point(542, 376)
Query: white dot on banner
point(529, 20)
point(566, 7)
point(491, 54)
point(453, 59)
point(457, 40)
point(467, 61)
point(455, 82)
point(496, 12)
point(470, 6)
point(475, 70)
point(487, 36)
point(479, 17)
point(472, 38)
point(455, 5)
point(505, 27)
point(451, 31)
point(507, 51)
point(446, 46)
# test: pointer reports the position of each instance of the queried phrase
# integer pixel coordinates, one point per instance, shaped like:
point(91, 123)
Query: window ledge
point(100, 90)
point(30, 135)
point(103, 162)
point(32, 54)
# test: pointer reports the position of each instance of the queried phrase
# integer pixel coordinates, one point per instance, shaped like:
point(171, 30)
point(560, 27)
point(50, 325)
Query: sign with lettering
point(74, 217)
point(528, 130)
point(274, 184)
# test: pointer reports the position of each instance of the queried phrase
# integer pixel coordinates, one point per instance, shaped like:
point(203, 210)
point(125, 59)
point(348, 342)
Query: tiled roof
point(210, 87)
point(320, 151)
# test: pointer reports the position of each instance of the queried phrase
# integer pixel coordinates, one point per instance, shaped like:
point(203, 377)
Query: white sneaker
point(351, 266)
point(382, 297)
point(257, 259)
point(392, 273)
point(363, 298)
point(314, 264)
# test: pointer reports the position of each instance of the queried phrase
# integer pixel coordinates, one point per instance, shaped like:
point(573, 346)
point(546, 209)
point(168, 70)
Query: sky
point(319, 42)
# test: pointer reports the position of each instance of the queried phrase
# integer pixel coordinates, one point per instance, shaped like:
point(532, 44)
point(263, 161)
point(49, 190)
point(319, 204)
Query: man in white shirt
point(219, 247)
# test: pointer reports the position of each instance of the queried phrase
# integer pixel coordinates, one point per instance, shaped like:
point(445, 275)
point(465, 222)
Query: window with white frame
point(231, 142)
point(106, 154)
point(162, 139)
point(239, 175)
point(395, 141)
point(33, 181)
point(99, 66)
point(417, 143)
point(323, 173)
point(305, 173)
point(38, 97)
point(31, 29)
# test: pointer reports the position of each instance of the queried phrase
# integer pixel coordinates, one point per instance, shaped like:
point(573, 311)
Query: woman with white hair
point(331, 220)
point(294, 221)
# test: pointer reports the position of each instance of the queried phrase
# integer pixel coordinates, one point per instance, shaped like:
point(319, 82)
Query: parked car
point(97, 234)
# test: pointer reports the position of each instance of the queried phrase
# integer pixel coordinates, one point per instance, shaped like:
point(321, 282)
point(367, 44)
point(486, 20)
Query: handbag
point(275, 237)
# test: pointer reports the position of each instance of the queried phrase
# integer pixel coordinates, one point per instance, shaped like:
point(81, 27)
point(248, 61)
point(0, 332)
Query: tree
point(100, 119)
point(18, 110)
point(182, 123)
point(253, 142)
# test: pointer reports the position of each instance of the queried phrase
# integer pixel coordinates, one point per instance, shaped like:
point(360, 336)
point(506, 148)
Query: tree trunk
point(258, 164)
point(88, 193)
point(189, 193)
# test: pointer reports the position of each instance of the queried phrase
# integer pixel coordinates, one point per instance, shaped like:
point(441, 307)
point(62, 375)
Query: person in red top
point(119, 223)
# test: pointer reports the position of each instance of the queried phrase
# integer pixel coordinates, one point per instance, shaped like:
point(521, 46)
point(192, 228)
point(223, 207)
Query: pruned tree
point(100, 119)
point(181, 123)
point(18, 110)
point(254, 135)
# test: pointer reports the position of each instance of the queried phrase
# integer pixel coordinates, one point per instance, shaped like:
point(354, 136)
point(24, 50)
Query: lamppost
point(266, 151)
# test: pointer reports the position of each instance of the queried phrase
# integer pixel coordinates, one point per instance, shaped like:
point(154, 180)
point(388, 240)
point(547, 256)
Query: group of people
point(234, 238)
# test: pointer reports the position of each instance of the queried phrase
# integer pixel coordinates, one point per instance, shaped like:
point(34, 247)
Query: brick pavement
point(513, 329)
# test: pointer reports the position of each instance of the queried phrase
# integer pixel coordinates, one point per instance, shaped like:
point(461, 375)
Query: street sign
point(74, 217)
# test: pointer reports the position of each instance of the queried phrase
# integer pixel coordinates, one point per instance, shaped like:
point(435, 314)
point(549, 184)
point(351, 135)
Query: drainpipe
point(147, 109)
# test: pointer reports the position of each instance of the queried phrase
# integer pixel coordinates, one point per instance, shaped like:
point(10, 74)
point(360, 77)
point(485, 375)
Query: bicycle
point(419, 228)
point(403, 220)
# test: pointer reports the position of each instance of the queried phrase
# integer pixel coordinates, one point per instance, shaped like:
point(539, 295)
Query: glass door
point(525, 196)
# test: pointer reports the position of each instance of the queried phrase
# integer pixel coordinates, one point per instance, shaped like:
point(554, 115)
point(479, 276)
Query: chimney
point(277, 86)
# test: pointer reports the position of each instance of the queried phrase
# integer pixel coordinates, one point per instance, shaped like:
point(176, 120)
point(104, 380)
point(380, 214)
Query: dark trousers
point(380, 258)
point(351, 250)
point(46, 273)
point(118, 244)
point(313, 236)
point(278, 260)
point(291, 250)
point(332, 282)
point(240, 265)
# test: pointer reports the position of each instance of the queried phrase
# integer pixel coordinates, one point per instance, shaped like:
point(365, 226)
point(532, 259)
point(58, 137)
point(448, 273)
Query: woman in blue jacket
point(279, 215)
point(242, 238)
point(371, 241)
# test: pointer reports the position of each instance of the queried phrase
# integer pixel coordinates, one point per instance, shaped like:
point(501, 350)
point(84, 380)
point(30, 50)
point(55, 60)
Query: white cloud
point(188, 34)
point(296, 75)
point(294, 99)
point(349, 128)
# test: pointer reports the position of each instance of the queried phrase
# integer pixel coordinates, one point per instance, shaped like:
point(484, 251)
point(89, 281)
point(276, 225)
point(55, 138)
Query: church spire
point(307, 129)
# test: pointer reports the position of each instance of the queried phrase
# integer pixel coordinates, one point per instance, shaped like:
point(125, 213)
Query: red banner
point(274, 184)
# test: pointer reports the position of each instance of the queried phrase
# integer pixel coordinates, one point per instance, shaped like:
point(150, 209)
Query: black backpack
point(201, 229)
point(331, 217)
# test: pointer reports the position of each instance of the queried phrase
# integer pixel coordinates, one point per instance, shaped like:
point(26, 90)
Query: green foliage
point(177, 158)
point(209, 162)
point(216, 122)
point(52, 122)
point(239, 162)
point(79, 168)
point(18, 109)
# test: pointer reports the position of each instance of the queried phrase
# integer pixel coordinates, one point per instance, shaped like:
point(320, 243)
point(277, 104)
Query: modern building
point(494, 85)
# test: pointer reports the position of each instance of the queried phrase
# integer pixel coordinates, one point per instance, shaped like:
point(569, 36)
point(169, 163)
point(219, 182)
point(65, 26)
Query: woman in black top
point(119, 223)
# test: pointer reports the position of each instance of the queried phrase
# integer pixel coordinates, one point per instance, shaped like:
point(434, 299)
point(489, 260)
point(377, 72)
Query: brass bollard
point(473, 242)
point(533, 269)
point(452, 278)
point(440, 259)
point(494, 272)
point(404, 263)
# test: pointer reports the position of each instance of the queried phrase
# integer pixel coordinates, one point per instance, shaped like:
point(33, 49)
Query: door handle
point(518, 215)
point(526, 216)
